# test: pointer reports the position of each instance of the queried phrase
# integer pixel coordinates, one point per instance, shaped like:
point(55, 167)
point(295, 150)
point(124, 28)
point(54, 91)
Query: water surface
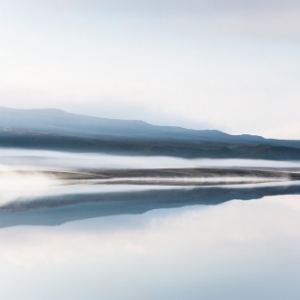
point(116, 242)
point(235, 250)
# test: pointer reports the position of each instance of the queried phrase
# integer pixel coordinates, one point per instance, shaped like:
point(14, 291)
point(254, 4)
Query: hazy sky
point(233, 65)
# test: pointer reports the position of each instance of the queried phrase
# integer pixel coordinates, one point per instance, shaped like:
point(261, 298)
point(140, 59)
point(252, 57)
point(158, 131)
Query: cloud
point(221, 4)
point(207, 17)
point(173, 6)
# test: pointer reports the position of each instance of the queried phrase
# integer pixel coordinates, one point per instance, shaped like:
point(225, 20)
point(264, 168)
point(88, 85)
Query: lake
point(141, 242)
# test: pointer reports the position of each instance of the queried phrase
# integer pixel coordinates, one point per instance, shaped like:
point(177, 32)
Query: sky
point(232, 65)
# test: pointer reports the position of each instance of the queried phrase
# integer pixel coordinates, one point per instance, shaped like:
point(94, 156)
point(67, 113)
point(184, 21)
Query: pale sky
point(232, 65)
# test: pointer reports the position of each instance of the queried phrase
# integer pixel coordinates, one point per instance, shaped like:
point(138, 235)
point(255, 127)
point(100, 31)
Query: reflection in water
point(134, 242)
point(236, 250)
point(66, 207)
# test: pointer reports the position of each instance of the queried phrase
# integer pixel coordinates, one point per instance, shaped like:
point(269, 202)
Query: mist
point(18, 186)
point(55, 160)
point(26, 175)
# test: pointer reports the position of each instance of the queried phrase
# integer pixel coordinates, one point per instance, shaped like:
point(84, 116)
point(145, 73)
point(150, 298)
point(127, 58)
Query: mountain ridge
point(13, 121)
point(58, 130)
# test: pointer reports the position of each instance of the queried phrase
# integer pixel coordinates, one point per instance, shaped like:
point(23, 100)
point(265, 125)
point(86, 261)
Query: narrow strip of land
point(182, 176)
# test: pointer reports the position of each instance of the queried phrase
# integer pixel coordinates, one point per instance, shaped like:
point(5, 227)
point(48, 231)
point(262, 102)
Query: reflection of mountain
point(58, 130)
point(61, 209)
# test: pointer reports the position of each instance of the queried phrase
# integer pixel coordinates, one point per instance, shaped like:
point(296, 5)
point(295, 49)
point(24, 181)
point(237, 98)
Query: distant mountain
point(59, 130)
point(59, 122)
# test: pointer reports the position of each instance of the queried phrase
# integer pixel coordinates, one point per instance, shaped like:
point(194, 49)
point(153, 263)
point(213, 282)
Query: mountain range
point(54, 129)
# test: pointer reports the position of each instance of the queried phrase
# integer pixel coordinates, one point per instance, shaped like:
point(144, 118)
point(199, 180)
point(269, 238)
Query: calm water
point(144, 243)
point(234, 250)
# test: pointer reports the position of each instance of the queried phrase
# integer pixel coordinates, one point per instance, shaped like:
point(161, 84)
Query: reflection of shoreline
point(56, 210)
